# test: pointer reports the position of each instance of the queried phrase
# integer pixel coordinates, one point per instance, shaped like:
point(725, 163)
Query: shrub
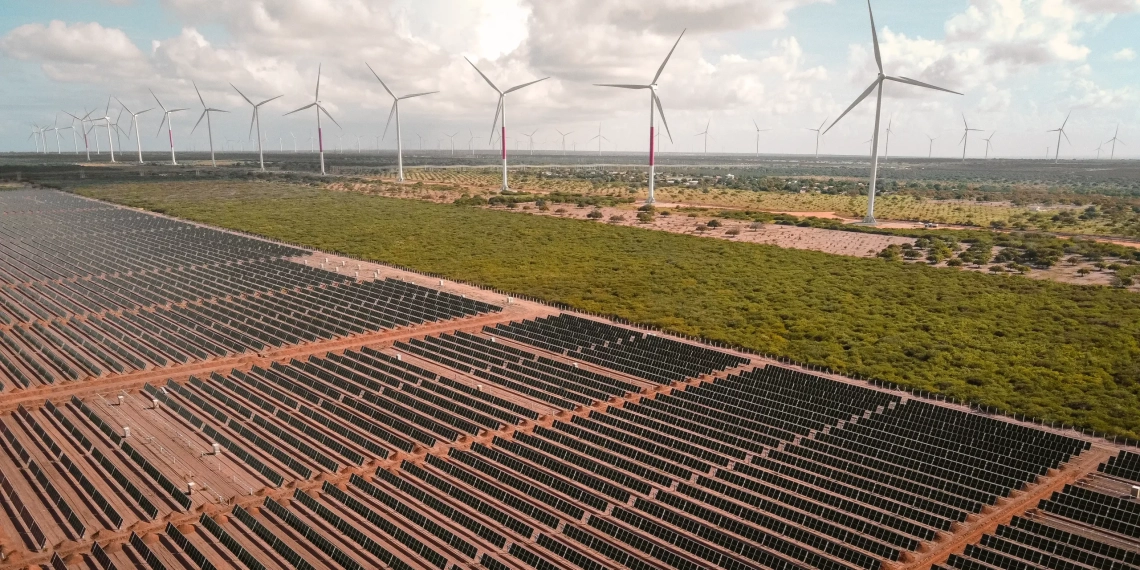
point(595, 215)
point(644, 217)
point(713, 223)
point(733, 232)
point(617, 219)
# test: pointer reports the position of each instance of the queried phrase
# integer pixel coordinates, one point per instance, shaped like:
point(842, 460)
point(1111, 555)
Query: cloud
point(1126, 54)
point(1020, 33)
point(83, 52)
point(1108, 6)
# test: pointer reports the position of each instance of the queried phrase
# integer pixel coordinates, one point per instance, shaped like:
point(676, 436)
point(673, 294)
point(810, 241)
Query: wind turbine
point(1061, 132)
point(86, 145)
point(395, 112)
point(600, 139)
point(135, 127)
point(966, 137)
point(1098, 149)
point(106, 118)
point(256, 119)
point(169, 121)
point(36, 137)
point(758, 131)
point(930, 153)
point(452, 137)
point(564, 135)
point(887, 150)
point(294, 142)
point(55, 130)
point(1114, 140)
point(501, 110)
point(209, 127)
point(988, 144)
point(654, 103)
point(74, 135)
point(705, 134)
point(320, 109)
point(877, 85)
point(820, 131)
point(530, 138)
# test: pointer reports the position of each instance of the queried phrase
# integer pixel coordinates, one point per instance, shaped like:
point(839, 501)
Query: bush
point(955, 263)
point(644, 217)
point(733, 232)
point(713, 224)
point(595, 215)
point(617, 219)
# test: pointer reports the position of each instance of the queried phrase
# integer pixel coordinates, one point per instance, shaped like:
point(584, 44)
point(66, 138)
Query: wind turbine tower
point(930, 153)
point(988, 145)
point(705, 134)
point(1114, 140)
point(209, 127)
point(877, 85)
point(564, 135)
point(820, 132)
point(599, 138)
point(501, 111)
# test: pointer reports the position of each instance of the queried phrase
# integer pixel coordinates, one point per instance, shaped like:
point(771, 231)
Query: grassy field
point(1061, 352)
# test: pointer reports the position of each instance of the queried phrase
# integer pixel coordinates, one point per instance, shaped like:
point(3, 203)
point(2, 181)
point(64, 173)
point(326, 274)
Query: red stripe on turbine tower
point(320, 140)
point(504, 141)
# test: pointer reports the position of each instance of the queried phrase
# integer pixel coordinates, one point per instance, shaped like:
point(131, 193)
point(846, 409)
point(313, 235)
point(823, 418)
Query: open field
point(336, 413)
point(1065, 353)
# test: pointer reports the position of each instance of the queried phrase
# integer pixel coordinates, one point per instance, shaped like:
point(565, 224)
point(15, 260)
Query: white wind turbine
point(320, 109)
point(820, 132)
point(86, 144)
point(599, 138)
point(294, 142)
point(135, 127)
point(705, 133)
point(654, 104)
point(74, 135)
point(168, 120)
point(256, 119)
point(930, 153)
point(501, 111)
point(530, 139)
point(877, 85)
point(966, 137)
point(1061, 132)
point(36, 137)
point(758, 131)
point(564, 135)
point(1098, 150)
point(55, 129)
point(107, 119)
point(887, 149)
point(209, 127)
point(395, 112)
point(988, 144)
point(1114, 140)
point(452, 137)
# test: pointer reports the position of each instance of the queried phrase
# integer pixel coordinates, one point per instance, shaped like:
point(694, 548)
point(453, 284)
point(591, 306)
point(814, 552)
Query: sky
point(783, 66)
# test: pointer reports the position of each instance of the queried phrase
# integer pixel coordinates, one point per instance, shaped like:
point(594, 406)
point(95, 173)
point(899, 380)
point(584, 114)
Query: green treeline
point(1060, 352)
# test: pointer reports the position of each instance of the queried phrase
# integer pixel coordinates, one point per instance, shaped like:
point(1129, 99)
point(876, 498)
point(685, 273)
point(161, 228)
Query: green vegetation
point(1060, 352)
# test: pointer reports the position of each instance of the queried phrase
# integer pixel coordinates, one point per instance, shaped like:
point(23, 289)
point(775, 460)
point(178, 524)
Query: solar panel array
point(1094, 524)
point(558, 442)
point(88, 290)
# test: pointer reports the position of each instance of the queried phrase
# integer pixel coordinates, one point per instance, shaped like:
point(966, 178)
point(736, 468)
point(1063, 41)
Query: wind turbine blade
point(146, 111)
point(268, 100)
point(107, 111)
point(661, 110)
point(242, 94)
point(1066, 137)
point(382, 84)
point(177, 110)
point(252, 119)
point(875, 38)
point(662, 68)
point(495, 123)
point(121, 104)
point(152, 95)
point(418, 95)
point(910, 81)
point(161, 124)
point(619, 86)
point(317, 95)
point(322, 109)
point(200, 99)
point(517, 87)
point(391, 114)
point(853, 105)
point(299, 110)
point(200, 117)
point(485, 78)
point(1066, 120)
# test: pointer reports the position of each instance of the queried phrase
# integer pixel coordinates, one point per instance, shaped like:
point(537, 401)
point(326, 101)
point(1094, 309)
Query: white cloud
point(1126, 54)
point(84, 52)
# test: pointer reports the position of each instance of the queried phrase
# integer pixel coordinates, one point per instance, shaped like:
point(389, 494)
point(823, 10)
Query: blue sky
point(788, 64)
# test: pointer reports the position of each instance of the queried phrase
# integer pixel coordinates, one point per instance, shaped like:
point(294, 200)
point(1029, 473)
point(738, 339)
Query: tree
point(1083, 271)
point(595, 215)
